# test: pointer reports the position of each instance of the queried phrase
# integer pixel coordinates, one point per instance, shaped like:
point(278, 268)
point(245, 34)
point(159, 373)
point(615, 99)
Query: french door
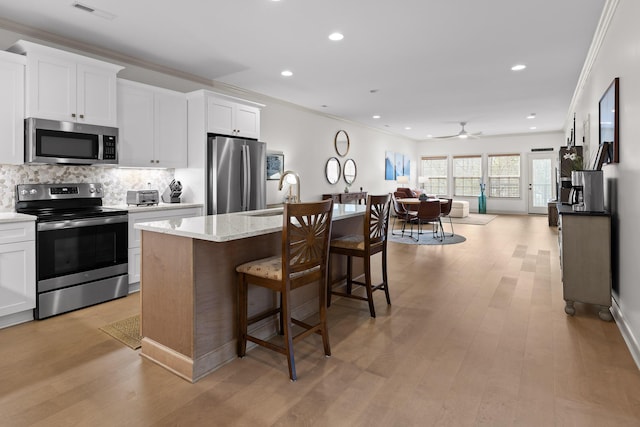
point(541, 182)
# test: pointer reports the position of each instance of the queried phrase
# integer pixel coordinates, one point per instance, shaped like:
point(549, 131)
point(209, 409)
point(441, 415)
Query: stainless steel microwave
point(51, 141)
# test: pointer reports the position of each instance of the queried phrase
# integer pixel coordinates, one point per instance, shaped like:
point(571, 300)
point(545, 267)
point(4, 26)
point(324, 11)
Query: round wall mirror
point(332, 170)
point(350, 171)
point(341, 142)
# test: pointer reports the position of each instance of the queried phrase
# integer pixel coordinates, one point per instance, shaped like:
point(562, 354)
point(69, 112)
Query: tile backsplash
point(116, 181)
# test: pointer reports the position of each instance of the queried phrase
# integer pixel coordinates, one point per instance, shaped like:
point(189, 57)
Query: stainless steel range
point(81, 246)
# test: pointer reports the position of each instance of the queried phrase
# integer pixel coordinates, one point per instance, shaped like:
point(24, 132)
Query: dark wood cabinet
point(359, 197)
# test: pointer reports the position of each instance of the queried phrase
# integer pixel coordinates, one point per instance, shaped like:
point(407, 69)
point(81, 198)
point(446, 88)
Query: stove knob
point(24, 192)
point(92, 190)
point(33, 191)
point(98, 190)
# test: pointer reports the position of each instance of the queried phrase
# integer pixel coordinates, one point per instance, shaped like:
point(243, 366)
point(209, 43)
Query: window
point(435, 170)
point(467, 173)
point(504, 175)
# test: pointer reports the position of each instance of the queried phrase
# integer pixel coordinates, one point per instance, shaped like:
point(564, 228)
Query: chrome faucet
point(297, 177)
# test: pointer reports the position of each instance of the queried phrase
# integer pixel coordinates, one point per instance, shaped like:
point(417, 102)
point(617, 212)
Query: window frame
point(499, 191)
point(475, 180)
point(428, 187)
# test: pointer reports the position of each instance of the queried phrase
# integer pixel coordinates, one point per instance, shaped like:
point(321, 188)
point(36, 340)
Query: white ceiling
point(431, 63)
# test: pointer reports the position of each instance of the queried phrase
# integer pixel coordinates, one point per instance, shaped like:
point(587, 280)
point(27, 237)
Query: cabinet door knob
point(73, 114)
point(82, 116)
point(151, 160)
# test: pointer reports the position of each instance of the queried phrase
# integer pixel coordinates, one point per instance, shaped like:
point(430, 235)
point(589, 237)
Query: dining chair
point(445, 210)
point(429, 213)
point(304, 259)
point(373, 240)
point(401, 213)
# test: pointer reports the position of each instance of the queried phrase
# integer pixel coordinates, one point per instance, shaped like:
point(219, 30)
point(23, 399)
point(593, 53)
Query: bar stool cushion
point(269, 268)
point(352, 241)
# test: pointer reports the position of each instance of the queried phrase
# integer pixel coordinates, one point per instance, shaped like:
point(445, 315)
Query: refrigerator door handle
point(248, 179)
point(245, 178)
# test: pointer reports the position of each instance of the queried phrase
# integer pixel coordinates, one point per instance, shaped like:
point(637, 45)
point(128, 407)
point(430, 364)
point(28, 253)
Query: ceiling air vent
point(92, 10)
point(83, 7)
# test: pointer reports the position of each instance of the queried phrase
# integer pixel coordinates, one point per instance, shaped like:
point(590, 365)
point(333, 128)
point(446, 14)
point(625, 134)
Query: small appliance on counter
point(142, 197)
point(172, 193)
point(587, 192)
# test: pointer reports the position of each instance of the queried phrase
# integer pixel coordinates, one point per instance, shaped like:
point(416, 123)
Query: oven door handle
point(76, 223)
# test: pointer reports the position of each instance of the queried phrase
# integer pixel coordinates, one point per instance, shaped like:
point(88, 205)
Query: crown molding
point(608, 12)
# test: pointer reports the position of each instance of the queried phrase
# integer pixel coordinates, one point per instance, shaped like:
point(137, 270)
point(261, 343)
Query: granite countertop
point(237, 225)
point(6, 217)
point(158, 207)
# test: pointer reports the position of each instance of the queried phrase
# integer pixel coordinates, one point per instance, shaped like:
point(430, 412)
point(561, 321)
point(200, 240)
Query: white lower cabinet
point(147, 216)
point(17, 267)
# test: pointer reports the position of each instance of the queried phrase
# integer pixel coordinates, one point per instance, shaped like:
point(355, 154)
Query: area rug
point(425, 239)
point(126, 331)
point(475, 219)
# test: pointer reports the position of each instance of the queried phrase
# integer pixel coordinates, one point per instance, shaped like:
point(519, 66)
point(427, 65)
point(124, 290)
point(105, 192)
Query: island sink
point(267, 213)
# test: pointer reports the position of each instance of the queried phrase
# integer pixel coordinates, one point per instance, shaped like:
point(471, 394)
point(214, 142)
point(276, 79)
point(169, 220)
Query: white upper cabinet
point(11, 108)
point(232, 116)
point(153, 126)
point(68, 87)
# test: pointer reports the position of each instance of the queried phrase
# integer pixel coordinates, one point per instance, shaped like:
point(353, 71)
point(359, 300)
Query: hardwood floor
point(476, 335)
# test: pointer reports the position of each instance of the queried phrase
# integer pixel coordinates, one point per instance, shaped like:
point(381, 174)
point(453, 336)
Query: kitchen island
point(188, 290)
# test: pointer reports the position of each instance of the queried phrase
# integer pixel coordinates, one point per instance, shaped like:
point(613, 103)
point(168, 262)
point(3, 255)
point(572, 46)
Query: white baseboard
point(627, 334)
point(16, 318)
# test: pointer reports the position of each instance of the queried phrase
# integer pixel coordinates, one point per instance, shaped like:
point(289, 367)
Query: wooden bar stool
point(305, 247)
point(370, 242)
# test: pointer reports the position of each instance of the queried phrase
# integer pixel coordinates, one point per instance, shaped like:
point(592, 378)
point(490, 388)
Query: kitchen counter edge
point(234, 226)
point(158, 207)
point(8, 217)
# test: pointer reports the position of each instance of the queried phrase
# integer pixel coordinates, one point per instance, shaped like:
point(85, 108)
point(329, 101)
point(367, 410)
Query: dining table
point(412, 204)
point(414, 201)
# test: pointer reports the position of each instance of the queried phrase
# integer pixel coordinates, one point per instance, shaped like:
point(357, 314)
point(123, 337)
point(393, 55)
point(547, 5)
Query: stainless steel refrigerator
point(236, 175)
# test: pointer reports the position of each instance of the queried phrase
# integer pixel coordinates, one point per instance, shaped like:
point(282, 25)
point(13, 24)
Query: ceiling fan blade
point(446, 137)
point(462, 134)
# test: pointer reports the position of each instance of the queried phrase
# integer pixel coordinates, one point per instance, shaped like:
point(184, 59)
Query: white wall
point(307, 142)
point(619, 56)
point(506, 144)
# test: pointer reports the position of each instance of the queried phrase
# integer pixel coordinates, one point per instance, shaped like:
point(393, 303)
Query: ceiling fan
point(463, 134)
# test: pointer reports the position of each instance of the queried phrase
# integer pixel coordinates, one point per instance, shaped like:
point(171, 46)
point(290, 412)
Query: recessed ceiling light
point(533, 128)
point(336, 36)
point(407, 128)
point(287, 73)
point(429, 136)
point(376, 116)
point(531, 116)
point(518, 67)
